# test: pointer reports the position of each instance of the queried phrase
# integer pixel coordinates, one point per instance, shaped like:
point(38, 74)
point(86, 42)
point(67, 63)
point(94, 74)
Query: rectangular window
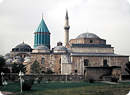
point(42, 61)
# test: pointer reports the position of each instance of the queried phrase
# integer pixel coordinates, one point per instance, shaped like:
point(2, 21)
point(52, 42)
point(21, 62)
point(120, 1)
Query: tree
point(128, 67)
point(35, 68)
point(16, 68)
point(2, 61)
point(49, 71)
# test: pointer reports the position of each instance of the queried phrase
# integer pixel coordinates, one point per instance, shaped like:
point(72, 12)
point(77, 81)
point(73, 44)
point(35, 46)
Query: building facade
point(86, 50)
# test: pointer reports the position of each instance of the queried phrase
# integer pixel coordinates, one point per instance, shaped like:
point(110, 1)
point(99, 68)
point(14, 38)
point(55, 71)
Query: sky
point(109, 19)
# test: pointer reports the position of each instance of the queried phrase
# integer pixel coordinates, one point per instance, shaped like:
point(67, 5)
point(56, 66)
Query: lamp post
point(2, 76)
point(21, 74)
point(3, 81)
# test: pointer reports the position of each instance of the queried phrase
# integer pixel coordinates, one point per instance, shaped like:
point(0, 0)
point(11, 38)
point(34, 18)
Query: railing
point(45, 77)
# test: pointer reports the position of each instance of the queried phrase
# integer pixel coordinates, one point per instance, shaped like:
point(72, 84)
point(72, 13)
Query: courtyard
point(70, 88)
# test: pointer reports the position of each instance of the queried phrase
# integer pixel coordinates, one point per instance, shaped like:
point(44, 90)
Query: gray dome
point(87, 35)
point(7, 54)
point(27, 59)
point(9, 61)
point(42, 47)
point(22, 48)
point(60, 48)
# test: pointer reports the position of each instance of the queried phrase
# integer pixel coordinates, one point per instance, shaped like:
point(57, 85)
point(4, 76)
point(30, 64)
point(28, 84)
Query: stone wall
point(97, 73)
point(51, 61)
point(93, 50)
point(97, 61)
point(66, 68)
point(43, 77)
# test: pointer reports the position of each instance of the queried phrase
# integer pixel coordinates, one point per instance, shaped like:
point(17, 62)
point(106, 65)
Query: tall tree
point(2, 62)
point(16, 68)
point(35, 68)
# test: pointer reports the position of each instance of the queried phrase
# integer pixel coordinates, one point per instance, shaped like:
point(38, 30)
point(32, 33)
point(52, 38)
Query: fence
point(44, 77)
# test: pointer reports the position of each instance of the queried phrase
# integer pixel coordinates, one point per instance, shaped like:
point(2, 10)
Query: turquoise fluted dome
point(42, 35)
point(42, 27)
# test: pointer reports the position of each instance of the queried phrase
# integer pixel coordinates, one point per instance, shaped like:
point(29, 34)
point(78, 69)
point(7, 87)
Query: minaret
point(66, 27)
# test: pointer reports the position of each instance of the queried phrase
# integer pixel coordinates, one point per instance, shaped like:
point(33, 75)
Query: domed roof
point(87, 35)
point(23, 45)
point(22, 48)
point(42, 47)
point(27, 59)
point(7, 54)
point(60, 48)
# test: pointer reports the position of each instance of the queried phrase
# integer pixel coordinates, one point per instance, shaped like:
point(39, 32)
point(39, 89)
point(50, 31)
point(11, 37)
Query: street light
point(2, 75)
point(3, 81)
point(21, 74)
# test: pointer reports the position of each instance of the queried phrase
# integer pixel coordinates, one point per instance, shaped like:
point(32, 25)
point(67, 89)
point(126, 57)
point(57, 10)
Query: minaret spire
point(66, 27)
point(42, 15)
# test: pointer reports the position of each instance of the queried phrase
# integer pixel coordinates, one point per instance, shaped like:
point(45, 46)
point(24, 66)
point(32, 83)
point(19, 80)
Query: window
point(75, 71)
point(60, 61)
point(91, 41)
point(105, 63)
point(86, 61)
point(42, 61)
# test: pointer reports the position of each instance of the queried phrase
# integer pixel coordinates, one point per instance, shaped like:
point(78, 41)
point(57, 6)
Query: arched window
point(91, 41)
point(105, 63)
point(75, 71)
point(60, 61)
point(86, 61)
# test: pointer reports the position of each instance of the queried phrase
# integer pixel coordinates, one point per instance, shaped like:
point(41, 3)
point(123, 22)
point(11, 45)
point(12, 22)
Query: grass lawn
point(77, 88)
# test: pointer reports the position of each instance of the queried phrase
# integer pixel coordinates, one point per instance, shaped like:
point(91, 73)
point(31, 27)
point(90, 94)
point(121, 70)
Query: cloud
point(1, 1)
point(106, 18)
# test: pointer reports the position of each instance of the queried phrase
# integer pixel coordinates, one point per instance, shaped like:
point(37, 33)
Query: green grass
point(77, 88)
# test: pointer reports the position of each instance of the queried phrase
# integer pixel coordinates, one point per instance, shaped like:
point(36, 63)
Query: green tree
point(49, 71)
point(2, 61)
point(16, 68)
point(35, 68)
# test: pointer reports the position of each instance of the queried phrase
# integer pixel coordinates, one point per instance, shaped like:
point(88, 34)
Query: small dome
point(17, 59)
point(87, 35)
point(41, 49)
point(27, 59)
point(22, 48)
point(60, 49)
point(7, 56)
point(9, 61)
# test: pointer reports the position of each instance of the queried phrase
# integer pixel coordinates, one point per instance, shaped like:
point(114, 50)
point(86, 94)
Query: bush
point(27, 85)
point(91, 80)
point(113, 79)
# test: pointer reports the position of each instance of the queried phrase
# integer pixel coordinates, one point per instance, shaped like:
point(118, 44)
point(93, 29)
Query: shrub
point(113, 79)
point(27, 85)
point(91, 80)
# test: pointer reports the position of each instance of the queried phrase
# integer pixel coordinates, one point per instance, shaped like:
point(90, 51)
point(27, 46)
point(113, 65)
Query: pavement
point(108, 82)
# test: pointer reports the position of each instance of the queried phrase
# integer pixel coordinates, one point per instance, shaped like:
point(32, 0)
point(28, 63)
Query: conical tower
point(42, 35)
point(66, 27)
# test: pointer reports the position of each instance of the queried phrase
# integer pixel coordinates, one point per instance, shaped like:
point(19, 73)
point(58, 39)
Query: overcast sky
point(109, 19)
